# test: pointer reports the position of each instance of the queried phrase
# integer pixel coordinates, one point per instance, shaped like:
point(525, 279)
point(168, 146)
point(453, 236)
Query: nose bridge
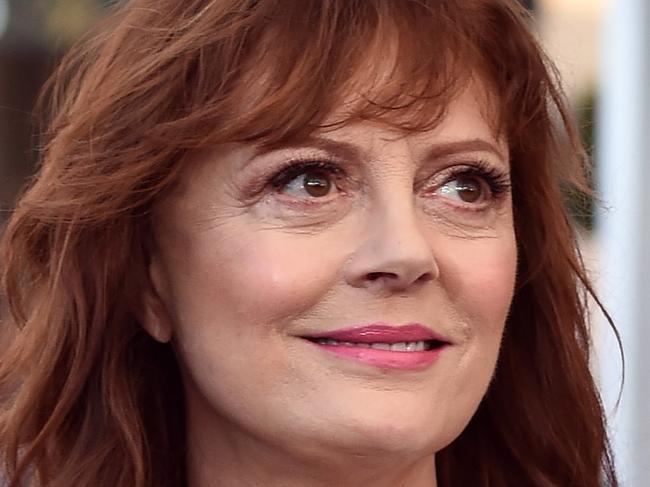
point(394, 252)
point(398, 232)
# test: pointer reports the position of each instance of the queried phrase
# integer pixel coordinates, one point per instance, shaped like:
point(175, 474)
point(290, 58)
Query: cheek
point(255, 277)
point(282, 275)
point(480, 278)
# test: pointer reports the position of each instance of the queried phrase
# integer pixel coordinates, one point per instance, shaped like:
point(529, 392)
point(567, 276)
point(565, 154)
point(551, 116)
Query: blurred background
point(602, 48)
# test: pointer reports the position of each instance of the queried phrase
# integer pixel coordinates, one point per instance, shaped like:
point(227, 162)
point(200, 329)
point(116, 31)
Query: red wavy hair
point(89, 399)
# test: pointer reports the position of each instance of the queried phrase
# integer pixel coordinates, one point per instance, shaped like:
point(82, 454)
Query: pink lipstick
point(407, 347)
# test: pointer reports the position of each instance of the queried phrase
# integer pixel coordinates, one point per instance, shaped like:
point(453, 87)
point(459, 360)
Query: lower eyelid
point(485, 204)
point(457, 212)
point(308, 201)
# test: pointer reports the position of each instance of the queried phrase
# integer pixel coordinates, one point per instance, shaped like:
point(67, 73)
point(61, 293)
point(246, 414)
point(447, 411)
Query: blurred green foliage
point(581, 206)
point(64, 21)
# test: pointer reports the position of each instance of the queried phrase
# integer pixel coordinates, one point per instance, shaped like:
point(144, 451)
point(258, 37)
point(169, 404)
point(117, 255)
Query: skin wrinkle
point(249, 274)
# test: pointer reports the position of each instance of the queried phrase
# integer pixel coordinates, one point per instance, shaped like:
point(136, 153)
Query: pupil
point(317, 184)
point(469, 190)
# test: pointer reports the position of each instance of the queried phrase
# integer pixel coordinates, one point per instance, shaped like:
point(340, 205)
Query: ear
point(155, 317)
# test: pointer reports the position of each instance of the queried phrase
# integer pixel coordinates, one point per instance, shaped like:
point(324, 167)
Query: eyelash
point(295, 168)
point(497, 180)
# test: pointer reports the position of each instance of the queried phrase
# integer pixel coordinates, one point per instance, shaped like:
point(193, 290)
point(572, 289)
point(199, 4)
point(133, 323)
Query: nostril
point(427, 276)
point(373, 276)
point(391, 277)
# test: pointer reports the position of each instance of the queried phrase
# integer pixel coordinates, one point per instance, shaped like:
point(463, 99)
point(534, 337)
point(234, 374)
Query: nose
point(395, 256)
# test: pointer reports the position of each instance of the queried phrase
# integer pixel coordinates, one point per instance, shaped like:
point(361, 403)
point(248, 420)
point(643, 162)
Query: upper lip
point(381, 333)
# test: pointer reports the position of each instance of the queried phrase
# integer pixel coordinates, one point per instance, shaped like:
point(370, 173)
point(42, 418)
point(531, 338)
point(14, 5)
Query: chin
point(387, 435)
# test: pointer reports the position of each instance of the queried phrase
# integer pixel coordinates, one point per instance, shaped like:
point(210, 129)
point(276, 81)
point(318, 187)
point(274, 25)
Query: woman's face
point(360, 229)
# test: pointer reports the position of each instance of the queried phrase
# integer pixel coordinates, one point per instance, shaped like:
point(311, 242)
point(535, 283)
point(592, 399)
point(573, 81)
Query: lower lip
point(385, 359)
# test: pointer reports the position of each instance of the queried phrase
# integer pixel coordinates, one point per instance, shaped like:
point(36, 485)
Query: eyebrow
point(344, 150)
point(438, 151)
point(347, 150)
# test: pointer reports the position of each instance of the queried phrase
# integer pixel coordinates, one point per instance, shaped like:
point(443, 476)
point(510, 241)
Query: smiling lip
point(355, 341)
point(382, 333)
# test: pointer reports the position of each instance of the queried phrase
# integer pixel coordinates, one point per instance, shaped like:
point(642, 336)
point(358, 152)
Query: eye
point(315, 183)
point(466, 189)
point(308, 179)
point(475, 185)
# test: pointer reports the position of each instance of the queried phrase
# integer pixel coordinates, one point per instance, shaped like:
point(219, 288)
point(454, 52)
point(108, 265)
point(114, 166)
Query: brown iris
point(469, 190)
point(317, 183)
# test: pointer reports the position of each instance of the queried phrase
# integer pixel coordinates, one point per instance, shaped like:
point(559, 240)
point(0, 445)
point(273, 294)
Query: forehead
point(467, 123)
point(385, 74)
point(472, 107)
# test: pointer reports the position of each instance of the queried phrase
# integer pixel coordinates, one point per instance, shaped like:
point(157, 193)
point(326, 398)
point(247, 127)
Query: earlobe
point(155, 317)
point(155, 320)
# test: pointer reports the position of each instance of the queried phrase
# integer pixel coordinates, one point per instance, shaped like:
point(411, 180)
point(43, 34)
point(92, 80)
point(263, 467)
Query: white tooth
point(330, 341)
point(411, 346)
point(380, 346)
point(419, 347)
point(398, 347)
point(348, 344)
